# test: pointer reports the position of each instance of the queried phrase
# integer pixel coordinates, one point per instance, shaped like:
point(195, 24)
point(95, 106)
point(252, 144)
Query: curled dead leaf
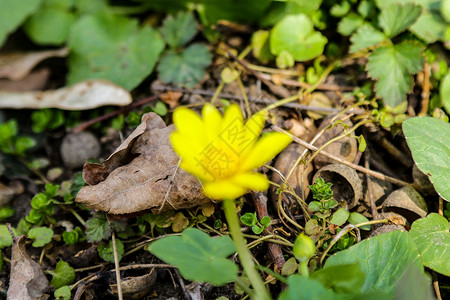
point(346, 183)
point(136, 287)
point(407, 202)
point(345, 148)
point(27, 281)
point(16, 66)
point(142, 174)
point(84, 95)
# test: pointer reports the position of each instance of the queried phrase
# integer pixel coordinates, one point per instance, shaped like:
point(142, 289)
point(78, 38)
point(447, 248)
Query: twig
point(426, 87)
point(254, 99)
point(322, 86)
point(85, 125)
point(373, 206)
point(436, 287)
point(352, 165)
point(116, 263)
point(260, 202)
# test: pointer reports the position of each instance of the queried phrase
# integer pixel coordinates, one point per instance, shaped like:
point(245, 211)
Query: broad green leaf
point(198, 256)
point(13, 13)
point(430, 27)
point(349, 24)
point(62, 275)
point(300, 287)
point(429, 141)
point(97, 228)
point(261, 46)
point(49, 26)
point(5, 237)
point(187, 67)
point(296, 35)
point(396, 18)
point(340, 217)
point(107, 252)
point(383, 259)
point(428, 4)
point(445, 9)
point(364, 37)
point(41, 236)
point(113, 48)
point(432, 238)
point(179, 30)
point(356, 218)
point(414, 284)
point(341, 278)
point(63, 293)
point(393, 66)
point(444, 91)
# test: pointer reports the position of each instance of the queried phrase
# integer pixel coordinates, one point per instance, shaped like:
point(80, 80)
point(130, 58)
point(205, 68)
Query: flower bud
point(304, 248)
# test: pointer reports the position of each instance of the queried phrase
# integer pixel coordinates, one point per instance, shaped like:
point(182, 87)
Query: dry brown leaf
point(16, 66)
point(35, 81)
point(142, 174)
point(27, 281)
point(171, 98)
point(84, 95)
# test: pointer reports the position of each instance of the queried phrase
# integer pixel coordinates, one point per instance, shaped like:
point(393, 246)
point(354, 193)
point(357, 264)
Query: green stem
point(245, 257)
point(304, 268)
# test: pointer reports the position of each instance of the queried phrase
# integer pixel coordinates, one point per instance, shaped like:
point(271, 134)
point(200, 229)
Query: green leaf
point(187, 67)
point(257, 229)
point(261, 46)
point(429, 141)
point(397, 18)
point(341, 278)
point(430, 27)
point(284, 60)
point(73, 237)
point(383, 259)
point(62, 275)
point(179, 30)
point(314, 206)
point(340, 10)
point(356, 218)
point(107, 252)
point(444, 91)
point(340, 217)
point(13, 13)
point(362, 143)
point(265, 221)
point(393, 66)
point(300, 287)
point(63, 293)
point(22, 144)
point(6, 212)
point(1, 260)
point(365, 36)
point(296, 35)
point(160, 108)
point(348, 24)
point(114, 48)
point(432, 238)
point(41, 236)
point(445, 9)
point(198, 256)
point(49, 26)
point(5, 237)
point(97, 228)
point(249, 219)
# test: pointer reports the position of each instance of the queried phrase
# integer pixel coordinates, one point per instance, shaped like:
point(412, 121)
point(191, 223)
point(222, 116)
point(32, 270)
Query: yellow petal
point(223, 189)
point(212, 120)
point(264, 150)
point(253, 181)
point(253, 129)
point(189, 123)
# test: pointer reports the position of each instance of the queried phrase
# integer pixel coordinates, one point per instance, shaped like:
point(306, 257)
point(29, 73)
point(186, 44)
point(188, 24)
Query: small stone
point(77, 148)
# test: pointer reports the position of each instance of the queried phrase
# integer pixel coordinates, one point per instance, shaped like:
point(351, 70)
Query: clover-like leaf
point(430, 27)
point(41, 236)
point(350, 23)
point(112, 47)
point(432, 238)
point(63, 274)
point(107, 252)
point(396, 18)
point(429, 141)
point(383, 259)
point(393, 66)
point(296, 35)
point(178, 30)
point(198, 256)
point(13, 13)
point(364, 37)
point(187, 67)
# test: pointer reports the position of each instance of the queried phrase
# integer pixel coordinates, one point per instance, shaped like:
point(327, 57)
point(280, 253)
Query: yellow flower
point(222, 151)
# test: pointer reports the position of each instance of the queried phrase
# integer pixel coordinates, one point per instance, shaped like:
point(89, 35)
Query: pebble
point(77, 148)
